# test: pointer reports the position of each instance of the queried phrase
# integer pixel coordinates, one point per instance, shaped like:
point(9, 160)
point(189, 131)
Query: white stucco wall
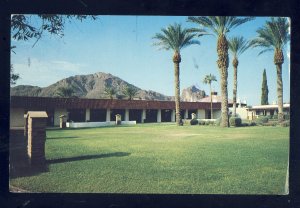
point(241, 112)
point(201, 114)
point(216, 114)
point(58, 112)
point(17, 117)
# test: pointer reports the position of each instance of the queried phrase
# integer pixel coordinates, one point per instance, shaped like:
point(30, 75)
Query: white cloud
point(43, 73)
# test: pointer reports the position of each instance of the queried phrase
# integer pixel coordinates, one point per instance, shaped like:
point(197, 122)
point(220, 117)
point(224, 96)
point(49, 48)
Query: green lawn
point(164, 158)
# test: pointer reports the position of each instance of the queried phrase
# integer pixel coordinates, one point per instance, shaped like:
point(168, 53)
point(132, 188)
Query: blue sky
point(122, 46)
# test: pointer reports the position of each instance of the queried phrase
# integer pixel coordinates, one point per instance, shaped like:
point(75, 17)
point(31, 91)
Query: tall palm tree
point(273, 36)
point(175, 38)
point(208, 79)
point(110, 92)
point(219, 26)
point(237, 46)
point(130, 92)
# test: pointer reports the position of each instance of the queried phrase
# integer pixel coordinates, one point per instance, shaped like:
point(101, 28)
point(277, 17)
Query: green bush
point(269, 116)
point(261, 119)
point(252, 123)
point(201, 122)
point(186, 121)
point(235, 121)
point(194, 122)
point(218, 121)
point(285, 123)
point(275, 116)
point(286, 117)
point(207, 123)
point(274, 123)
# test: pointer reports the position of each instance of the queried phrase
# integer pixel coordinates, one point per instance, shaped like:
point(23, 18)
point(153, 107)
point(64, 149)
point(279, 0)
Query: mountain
point(192, 94)
point(87, 86)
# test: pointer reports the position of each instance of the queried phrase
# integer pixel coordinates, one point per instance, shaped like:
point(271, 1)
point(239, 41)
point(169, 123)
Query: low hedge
point(194, 122)
point(235, 121)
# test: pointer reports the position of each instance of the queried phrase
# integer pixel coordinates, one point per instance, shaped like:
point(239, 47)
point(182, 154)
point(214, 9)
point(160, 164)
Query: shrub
point(285, 123)
point(186, 121)
point(252, 123)
point(274, 123)
point(218, 121)
point(201, 122)
point(262, 119)
point(235, 121)
point(286, 117)
point(194, 122)
point(207, 123)
point(275, 116)
point(269, 116)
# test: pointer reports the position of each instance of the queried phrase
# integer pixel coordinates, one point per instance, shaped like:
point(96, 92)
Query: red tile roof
point(77, 103)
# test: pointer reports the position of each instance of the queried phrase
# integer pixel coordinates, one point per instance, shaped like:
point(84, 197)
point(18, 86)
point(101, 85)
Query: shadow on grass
point(63, 137)
point(88, 157)
point(26, 170)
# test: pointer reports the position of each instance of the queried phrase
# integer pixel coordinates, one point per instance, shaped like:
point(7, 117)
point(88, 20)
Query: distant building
point(265, 110)
point(104, 110)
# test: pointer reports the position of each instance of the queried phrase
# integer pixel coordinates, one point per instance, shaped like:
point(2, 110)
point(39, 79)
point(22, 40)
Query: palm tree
point(237, 46)
point(273, 36)
point(220, 26)
point(208, 79)
point(130, 92)
point(110, 91)
point(175, 38)
point(65, 91)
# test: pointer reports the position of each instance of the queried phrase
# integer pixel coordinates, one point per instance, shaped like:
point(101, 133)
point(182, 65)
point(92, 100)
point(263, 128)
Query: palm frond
point(238, 45)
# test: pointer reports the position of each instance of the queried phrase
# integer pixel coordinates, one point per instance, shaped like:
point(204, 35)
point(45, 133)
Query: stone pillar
point(118, 119)
point(87, 114)
point(143, 115)
point(194, 116)
point(62, 121)
point(37, 121)
point(158, 115)
point(186, 114)
point(173, 116)
point(126, 114)
point(108, 115)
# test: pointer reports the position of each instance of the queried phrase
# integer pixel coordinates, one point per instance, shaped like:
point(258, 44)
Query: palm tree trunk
point(222, 49)
point(211, 112)
point(279, 92)
point(176, 60)
point(235, 64)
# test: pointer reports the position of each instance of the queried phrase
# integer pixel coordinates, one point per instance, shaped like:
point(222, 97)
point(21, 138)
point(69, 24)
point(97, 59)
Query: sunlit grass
point(164, 158)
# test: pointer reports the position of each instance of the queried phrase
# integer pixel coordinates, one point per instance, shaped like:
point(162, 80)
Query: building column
point(87, 114)
point(199, 113)
point(186, 114)
point(158, 115)
point(143, 115)
point(108, 115)
point(173, 116)
point(126, 114)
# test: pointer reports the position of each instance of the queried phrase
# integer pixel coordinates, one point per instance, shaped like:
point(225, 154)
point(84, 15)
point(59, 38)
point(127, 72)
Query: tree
point(264, 90)
point(273, 36)
point(237, 46)
point(220, 26)
point(208, 79)
point(175, 38)
point(110, 92)
point(13, 77)
point(23, 29)
point(65, 92)
point(130, 92)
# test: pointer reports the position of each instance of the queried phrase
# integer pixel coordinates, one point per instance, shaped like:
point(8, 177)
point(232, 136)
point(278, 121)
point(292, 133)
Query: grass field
point(164, 158)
